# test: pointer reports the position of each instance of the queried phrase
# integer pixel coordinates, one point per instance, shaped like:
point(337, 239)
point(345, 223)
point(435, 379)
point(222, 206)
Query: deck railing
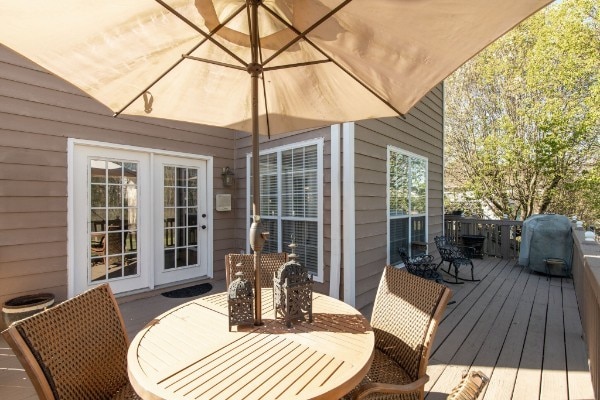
point(501, 237)
point(586, 275)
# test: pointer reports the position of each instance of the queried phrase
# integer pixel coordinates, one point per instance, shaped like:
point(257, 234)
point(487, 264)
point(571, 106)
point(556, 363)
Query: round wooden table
point(189, 352)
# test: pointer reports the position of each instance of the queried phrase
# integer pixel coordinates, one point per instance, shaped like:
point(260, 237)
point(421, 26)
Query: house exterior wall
point(38, 113)
point(420, 133)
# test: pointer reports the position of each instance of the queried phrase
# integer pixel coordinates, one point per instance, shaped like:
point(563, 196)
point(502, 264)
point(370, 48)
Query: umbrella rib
point(303, 64)
point(200, 31)
point(221, 64)
point(330, 59)
point(301, 35)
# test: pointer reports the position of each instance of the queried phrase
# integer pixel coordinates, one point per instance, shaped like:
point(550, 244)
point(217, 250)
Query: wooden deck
point(522, 330)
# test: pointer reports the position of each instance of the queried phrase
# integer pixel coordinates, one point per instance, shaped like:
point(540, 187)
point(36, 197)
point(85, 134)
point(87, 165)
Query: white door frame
point(71, 233)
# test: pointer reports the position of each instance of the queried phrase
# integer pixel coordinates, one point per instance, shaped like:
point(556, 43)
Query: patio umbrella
point(261, 66)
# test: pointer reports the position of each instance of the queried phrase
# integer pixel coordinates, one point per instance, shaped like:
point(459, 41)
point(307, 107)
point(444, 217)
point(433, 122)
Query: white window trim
point(71, 143)
point(319, 143)
point(395, 149)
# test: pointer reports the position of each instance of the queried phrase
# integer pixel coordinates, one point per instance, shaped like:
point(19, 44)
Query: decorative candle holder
point(240, 301)
point(292, 291)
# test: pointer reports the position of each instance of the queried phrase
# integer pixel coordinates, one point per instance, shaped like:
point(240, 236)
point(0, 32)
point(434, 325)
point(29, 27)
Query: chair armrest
point(370, 388)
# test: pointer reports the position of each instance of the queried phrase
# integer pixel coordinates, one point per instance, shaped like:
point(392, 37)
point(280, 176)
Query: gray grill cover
point(546, 236)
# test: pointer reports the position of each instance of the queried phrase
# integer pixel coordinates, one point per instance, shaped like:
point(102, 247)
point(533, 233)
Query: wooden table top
point(188, 352)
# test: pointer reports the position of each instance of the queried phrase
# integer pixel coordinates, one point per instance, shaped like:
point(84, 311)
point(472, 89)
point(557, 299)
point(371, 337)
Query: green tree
point(523, 117)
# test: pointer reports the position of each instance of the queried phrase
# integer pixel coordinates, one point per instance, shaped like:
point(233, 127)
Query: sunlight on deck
point(521, 329)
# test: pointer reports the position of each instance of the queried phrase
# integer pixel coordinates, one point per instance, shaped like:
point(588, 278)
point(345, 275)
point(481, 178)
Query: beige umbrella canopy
point(324, 61)
point(261, 66)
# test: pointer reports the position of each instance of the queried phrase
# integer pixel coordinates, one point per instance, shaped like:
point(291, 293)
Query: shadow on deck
point(522, 330)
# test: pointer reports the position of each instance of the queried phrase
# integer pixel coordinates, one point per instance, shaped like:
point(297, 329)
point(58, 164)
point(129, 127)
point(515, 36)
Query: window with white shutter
point(291, 201)
point(407, 202)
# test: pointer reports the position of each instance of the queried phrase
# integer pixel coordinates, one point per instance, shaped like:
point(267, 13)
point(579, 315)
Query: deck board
point(527, 383)
point(510, 354)
point(554, 369)
point(578, 374)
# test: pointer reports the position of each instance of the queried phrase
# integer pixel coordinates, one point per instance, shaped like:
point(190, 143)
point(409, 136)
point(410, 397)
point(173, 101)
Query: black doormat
point(191, 291)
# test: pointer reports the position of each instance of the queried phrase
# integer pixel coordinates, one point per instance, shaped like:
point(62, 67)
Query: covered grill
point(547, 244)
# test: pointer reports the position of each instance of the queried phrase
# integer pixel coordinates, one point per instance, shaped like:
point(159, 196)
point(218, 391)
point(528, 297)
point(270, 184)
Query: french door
point(181, 219)
point(140, 219)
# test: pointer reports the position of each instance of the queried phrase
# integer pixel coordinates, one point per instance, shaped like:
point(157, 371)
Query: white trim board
point(336, 213)
point(349, 222)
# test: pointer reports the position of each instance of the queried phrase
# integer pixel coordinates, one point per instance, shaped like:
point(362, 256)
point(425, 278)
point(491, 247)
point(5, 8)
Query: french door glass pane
point(180, 217)
point(113, 219)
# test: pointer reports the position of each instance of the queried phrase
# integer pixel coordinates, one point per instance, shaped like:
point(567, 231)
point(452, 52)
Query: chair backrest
point(441, 241)
point(269, 262)
point(450, 250)
point(75, 350)
point(405, 317)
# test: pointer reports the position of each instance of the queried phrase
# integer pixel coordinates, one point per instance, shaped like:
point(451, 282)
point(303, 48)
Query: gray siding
point(38, 113)
point(420, 133)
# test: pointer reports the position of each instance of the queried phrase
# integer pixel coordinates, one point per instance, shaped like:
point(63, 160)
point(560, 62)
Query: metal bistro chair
point(421, 265)
point(269, 262)
point(456, 256)
point(75, 350)
point(405, 318)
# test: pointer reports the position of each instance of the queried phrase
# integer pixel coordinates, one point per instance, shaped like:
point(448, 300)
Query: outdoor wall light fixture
point(228, 177)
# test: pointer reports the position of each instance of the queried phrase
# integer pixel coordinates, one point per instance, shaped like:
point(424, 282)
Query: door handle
point(203, 226)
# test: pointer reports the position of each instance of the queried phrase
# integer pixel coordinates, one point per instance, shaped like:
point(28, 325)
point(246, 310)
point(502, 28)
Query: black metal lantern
point(292, 291)
point(241, 301)
point(228, 177)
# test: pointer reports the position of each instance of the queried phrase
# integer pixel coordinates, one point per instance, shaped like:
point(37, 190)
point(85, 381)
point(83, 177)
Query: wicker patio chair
point(405, 318)
point(470, 387)
point(75, 350)
point(269, 262)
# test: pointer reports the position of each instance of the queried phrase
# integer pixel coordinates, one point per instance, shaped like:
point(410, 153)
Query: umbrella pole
point(257, 237)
